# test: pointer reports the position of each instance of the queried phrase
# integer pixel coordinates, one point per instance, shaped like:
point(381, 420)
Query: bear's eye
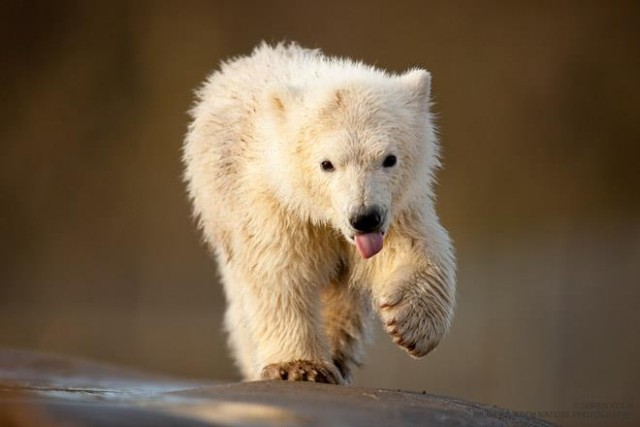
point(389, 161)
point(327, 166)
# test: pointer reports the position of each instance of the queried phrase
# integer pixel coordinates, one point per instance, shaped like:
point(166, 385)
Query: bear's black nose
point(367, 221)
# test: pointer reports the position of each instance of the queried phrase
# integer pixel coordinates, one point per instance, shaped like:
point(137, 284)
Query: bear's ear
point(418, 85)
point(333, 103)
point(282, 100)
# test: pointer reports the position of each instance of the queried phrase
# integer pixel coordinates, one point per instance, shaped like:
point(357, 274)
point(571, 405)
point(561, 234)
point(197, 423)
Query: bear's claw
point(302, 370)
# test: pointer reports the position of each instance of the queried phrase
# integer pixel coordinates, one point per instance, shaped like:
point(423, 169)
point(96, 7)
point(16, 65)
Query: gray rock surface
point(38, 389)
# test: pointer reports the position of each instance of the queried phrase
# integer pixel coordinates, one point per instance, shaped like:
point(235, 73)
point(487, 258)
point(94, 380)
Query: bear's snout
point(367, 220)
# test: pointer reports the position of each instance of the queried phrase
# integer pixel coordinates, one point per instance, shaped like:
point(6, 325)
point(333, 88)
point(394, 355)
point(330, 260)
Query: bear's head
point(353, 152)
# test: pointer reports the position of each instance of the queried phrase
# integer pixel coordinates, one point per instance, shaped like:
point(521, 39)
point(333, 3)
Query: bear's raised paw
point(407, 318)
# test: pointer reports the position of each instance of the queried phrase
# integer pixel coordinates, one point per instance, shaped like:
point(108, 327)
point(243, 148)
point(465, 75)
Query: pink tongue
point(368, 244)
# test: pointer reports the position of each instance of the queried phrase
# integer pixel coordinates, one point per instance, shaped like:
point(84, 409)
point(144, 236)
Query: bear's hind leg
point(346, 318)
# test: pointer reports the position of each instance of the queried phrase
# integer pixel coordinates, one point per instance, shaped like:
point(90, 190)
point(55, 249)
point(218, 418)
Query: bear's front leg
point(283, 314)
point(416, 301)
point(417, 315)
point(290, 345)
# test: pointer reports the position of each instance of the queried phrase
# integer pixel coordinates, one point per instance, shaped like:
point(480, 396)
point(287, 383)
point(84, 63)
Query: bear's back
point(244, 79)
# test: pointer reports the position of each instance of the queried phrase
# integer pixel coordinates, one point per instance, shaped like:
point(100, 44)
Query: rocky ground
point(39, 389)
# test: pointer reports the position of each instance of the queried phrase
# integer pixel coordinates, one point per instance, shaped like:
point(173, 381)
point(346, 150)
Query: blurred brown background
point(539, 118)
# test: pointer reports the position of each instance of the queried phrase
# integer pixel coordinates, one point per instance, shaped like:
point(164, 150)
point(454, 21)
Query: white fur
point(279, 225)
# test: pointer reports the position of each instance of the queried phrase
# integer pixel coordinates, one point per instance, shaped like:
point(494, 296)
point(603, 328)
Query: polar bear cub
point(312, 180)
